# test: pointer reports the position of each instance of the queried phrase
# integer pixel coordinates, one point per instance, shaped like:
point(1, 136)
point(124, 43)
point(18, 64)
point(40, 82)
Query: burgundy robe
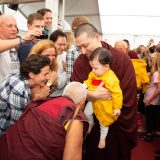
point(122, 136)
point(133, 55)
point(39, 134)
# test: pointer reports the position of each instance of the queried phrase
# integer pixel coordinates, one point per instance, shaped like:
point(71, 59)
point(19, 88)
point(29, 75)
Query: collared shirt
point(14, 95)
point(71, 57)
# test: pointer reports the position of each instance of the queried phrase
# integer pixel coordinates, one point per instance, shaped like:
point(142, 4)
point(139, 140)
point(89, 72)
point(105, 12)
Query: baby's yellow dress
point(103, 109)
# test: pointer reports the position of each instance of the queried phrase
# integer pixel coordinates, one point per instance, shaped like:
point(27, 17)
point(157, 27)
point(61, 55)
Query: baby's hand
point(117, 112)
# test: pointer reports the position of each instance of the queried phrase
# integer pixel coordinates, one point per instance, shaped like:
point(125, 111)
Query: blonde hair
point(156, 65)
point(78, 21)
point(140, 48)
point(157, 48)
point(42, 45)
point(70, 40)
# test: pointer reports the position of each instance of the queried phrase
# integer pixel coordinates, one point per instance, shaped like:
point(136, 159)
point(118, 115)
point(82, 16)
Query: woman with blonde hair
point(152, 99)
point(57, 78)
point(47, 48)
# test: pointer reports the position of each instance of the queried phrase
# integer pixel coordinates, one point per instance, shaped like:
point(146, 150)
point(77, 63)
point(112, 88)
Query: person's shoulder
point(156, 73)
point(11, 80)
point(18, 84)
point(132, 54)
point(73, 48)
point(114, 52)
point(25, 46)
point(110, 77)
point(81, 60)
point(82, 57)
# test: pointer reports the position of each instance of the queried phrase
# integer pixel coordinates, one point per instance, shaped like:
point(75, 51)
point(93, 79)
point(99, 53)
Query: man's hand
point(53, 77)
point(31, 35)
point(100, 93)
point(40, 93)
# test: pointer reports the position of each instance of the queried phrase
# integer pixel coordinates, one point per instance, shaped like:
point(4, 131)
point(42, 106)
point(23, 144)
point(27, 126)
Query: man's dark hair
point(88, 28)
point(34, 63)
point(57, 33)
point(43, 11)
point(127, 41)
point(104, 56)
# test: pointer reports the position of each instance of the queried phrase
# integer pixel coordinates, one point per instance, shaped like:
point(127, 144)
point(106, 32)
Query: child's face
point(97, 68)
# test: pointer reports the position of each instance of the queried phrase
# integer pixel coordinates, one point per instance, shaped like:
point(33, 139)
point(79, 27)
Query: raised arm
point(8, 44)
point(11, 43)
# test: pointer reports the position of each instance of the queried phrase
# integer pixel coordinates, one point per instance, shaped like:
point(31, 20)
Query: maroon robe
point(39, 134)
point(133, 55)
point(122, 135)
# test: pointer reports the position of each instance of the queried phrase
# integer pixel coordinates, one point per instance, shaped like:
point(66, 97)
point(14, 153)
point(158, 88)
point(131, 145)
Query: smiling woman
point(15, 90)
point(58, 75)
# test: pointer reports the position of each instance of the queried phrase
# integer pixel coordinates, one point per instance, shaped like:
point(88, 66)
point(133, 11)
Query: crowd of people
point(76, 102)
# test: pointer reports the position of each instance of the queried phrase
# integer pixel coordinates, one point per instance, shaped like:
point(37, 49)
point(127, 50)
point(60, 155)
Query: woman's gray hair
point(76, 91)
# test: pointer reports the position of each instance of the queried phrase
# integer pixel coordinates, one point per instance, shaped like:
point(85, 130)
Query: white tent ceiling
point(72, 9)
point(88, 8)
point(18, 1)
point(135, 20)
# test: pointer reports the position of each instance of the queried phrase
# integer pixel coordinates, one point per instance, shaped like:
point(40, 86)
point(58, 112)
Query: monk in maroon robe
point(133, 55)
point(122, 135)
point(40, 133)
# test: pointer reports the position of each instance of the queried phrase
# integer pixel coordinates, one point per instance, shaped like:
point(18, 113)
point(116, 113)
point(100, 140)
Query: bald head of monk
point(121, 45)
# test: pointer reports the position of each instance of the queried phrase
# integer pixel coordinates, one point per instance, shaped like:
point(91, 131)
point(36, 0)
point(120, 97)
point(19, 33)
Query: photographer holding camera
point(34, 20)
point(47, 15)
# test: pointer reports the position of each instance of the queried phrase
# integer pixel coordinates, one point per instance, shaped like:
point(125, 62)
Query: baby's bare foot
point(102, 143)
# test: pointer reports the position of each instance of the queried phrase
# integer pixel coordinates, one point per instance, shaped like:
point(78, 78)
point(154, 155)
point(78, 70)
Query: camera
point(44, 35)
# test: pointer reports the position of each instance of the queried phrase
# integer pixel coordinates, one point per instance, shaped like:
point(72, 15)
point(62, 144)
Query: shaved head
point(8, 27)
point(5, 17)
point(121, 45)
point(76, 91)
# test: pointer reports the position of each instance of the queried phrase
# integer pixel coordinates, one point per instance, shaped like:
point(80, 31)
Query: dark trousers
point(152, 117)
point(118, 145)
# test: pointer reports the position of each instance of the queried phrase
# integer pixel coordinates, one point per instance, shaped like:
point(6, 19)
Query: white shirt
point(9, 63)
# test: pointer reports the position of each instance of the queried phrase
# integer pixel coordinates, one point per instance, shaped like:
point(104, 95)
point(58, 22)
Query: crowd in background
point(36, 69)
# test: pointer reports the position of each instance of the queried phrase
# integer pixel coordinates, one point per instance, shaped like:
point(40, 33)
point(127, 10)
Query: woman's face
point(48, 19)
point(41, 78)
point(50, 53)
